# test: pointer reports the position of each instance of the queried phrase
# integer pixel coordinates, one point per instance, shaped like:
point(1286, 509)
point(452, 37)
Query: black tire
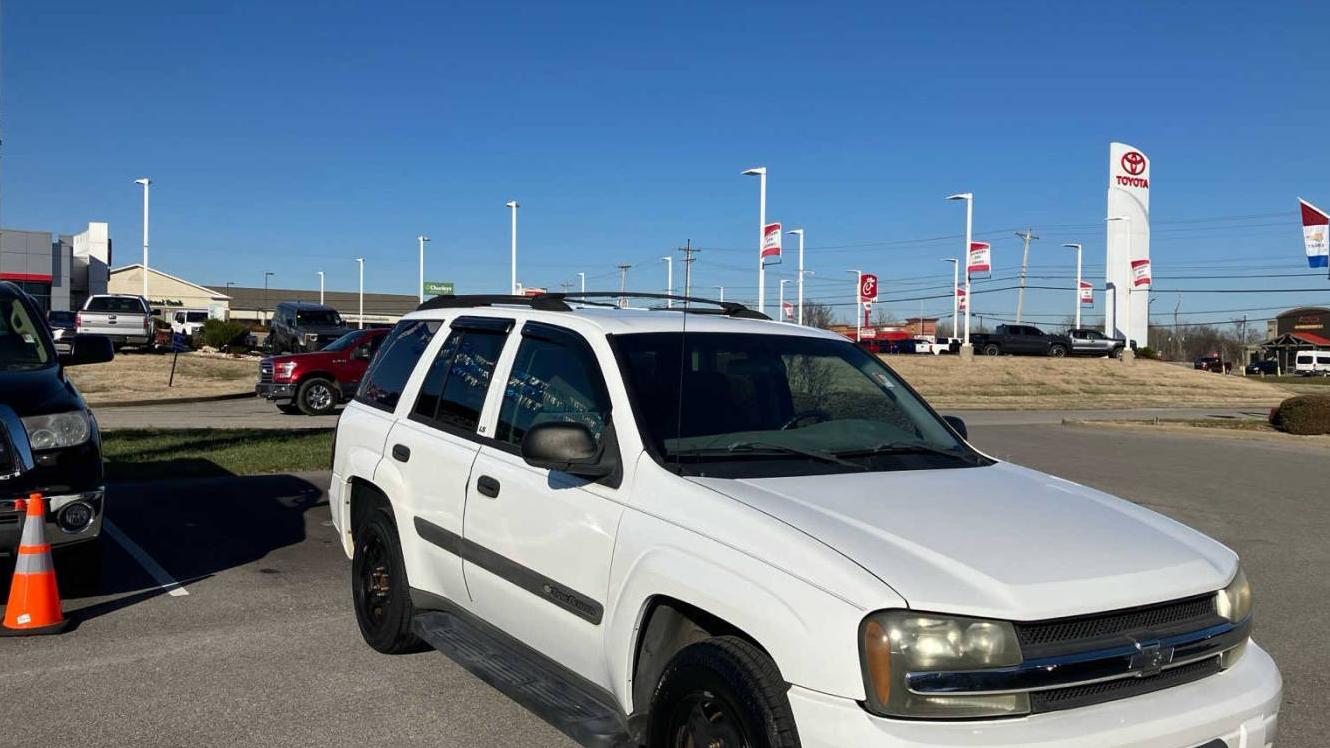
point(722, 692)
point(290, 408)
point(991, 349)
point(379, 588)
point(78, 568)
point(1057, 350)
point(316, 396)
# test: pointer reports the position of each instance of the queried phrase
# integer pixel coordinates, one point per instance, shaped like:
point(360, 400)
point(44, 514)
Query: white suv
point(681, 529)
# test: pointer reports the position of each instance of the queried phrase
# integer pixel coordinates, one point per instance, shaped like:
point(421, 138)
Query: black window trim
point(501, 326)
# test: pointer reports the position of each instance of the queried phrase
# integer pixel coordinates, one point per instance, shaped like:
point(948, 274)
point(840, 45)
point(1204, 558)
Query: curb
point(171, 401)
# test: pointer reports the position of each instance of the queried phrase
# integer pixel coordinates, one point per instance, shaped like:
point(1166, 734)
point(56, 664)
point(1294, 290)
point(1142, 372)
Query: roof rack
point(558, 302)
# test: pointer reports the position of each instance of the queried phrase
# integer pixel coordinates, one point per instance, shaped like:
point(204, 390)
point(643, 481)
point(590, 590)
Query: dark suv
point(303, 327)
point(49, 441)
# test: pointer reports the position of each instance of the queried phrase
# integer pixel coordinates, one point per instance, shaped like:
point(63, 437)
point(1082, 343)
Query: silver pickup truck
point(125, 319)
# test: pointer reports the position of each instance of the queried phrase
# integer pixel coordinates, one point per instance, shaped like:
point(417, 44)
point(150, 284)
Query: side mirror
point(360, 353)
point(564, 446)
point(88, 349)
point(959, 426)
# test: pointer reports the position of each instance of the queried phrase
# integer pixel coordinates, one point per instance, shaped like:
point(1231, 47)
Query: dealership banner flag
point(960, 299)
point(981, 258)
point(1140, 273)
point(771, 243)
point(787, 309)
point(1316, 234)
point(1087, 293)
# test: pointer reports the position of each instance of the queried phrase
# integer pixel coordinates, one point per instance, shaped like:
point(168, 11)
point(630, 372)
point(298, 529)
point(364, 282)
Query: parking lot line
point(154, 569)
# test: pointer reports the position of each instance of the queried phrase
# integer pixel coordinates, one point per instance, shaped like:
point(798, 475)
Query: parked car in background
point(1020, 340)
point(1213, 363)
point(1087, 342)
point(314, 383)
point(754, 534)
point(63, 327)
point(1263, 368)
point(49, 441)
point(303, 327)
point(125, 319)
point(1312, 364)
point(188, 321)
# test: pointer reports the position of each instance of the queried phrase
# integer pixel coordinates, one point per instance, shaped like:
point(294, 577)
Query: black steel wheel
point(316, 397)
point(992, 349)
point(379, 587)
point(1057, 350)
point(721, 693)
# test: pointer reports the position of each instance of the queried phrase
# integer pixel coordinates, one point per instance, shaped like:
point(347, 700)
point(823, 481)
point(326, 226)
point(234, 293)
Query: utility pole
point(1025, 263)
point(623, 284)
point(688, 251)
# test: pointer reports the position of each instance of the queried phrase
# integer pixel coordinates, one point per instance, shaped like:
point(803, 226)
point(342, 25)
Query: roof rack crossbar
point(558, 301)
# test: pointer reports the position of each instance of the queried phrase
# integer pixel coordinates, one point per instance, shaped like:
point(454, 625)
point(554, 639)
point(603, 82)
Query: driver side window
point(555, 378)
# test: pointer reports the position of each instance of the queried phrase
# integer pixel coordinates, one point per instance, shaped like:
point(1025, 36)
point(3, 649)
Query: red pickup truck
point(314, 383)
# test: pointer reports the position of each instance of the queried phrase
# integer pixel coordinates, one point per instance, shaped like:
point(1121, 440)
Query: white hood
point(1001, 541)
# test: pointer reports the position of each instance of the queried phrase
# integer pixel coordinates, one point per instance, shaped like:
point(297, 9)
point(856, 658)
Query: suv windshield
point(22, 345)
point(319, 318)
point(746, 406)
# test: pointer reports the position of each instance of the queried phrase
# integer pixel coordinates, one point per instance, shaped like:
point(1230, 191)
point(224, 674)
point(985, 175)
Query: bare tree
point(818, 315)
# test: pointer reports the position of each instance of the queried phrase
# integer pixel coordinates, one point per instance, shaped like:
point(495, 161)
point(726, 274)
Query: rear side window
point(397, 358)
point(1323, 359)
point(455, 386)
point(1304, 359)
point(555, 378)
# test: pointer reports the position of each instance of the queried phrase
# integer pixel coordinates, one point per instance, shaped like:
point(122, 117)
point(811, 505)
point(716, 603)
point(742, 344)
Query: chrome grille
point(1042, 638)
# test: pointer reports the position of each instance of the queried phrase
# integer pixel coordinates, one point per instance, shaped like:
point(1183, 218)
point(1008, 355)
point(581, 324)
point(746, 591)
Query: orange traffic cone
point(34, 599)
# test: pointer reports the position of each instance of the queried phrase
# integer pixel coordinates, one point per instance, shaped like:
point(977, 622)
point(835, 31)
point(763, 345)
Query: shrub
point(1146, 351)
point(1304, 414)
point(223, 333)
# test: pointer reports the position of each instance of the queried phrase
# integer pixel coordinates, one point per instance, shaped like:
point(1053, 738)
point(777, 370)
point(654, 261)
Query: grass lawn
point(189, 453)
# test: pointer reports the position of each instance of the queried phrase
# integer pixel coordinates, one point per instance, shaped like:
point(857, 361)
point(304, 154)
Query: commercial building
point(255, 305)
point(59, 271)
point(167, 292)
point(1303, 329)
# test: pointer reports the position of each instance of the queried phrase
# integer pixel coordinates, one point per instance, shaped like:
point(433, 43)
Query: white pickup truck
point(669, 528)
point(125, 319)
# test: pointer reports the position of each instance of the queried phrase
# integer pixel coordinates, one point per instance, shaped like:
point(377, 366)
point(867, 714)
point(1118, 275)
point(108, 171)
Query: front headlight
point(1234, 603)
point(897, 642)
point(57, 430)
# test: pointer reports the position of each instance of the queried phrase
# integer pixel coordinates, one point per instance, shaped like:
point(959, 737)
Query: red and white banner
point(1140, 273)
point(981, 258)
point(867, 287)
point(787, 309)
point(1315, 234)
point(771, 241)
point(1087, 293)
point(961, 301)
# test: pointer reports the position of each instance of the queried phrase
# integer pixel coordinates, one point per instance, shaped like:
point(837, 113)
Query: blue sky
point(293, 137)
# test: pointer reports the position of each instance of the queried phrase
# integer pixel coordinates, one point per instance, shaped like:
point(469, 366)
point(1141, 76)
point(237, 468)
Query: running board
point(577, 708)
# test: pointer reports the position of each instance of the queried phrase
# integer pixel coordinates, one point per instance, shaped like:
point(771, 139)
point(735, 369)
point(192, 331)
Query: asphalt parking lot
point(237, 628)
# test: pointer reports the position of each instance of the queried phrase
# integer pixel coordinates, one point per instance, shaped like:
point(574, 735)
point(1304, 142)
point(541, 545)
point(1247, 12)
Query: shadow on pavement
point(191, 528)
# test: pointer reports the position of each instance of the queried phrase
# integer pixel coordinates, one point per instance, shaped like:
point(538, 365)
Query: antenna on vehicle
point(683, 350)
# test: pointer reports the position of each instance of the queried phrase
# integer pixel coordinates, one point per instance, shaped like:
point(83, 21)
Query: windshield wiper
point(903, 448)
point(811, 454)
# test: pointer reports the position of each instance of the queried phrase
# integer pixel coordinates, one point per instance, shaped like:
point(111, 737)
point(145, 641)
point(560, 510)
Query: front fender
point(810, 633)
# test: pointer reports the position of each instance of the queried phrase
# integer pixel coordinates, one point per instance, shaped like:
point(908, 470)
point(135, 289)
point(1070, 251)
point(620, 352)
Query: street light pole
point(800, 285)
point(968, 197)
point(361, 315)
point(955, 284)
point(145, 182)
point(783, 281)
point(422, 239)
point(320, 287)
point(1077, 247)
point(722, 292)
point(512, 284)
point(858, 305)
point(669, 280)
point(267, 307)
point(582, 278)
point(761, 173)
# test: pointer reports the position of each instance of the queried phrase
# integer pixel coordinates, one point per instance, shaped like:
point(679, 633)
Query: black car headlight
point(894, 643)
point(57, 430)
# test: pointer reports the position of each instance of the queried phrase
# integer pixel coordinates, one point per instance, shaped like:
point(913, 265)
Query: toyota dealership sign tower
point(1126, 298)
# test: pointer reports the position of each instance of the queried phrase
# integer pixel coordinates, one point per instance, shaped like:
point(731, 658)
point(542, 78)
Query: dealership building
point(60, 271)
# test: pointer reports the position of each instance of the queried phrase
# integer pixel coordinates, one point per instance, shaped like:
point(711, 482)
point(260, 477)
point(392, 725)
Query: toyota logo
point(1133, 163)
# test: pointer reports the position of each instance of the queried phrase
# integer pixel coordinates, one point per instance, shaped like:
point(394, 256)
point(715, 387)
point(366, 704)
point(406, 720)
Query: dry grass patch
point(143, 376)
point(1009, 382)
